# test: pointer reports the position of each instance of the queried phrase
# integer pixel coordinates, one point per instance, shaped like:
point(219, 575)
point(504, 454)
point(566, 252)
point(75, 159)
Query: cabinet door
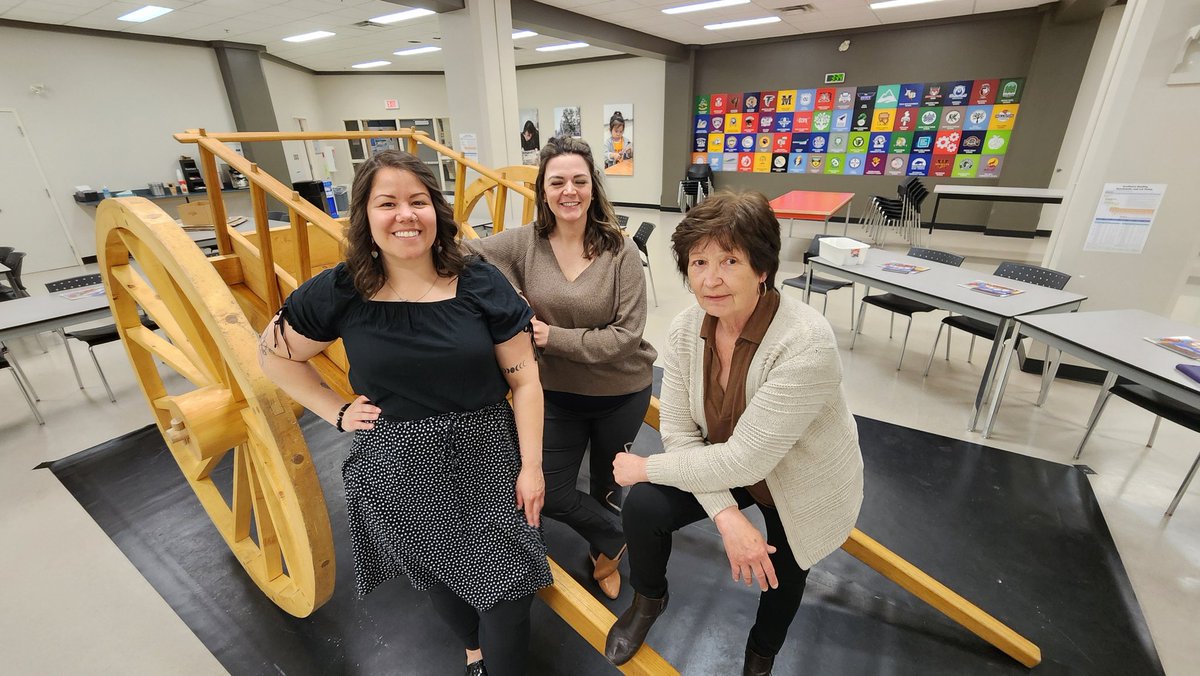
point(377, 145)
point(356, 145)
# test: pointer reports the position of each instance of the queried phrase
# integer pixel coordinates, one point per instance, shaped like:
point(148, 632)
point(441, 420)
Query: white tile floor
point(74, 604)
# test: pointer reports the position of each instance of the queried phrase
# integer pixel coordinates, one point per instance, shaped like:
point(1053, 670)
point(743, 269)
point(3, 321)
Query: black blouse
point(416, 360)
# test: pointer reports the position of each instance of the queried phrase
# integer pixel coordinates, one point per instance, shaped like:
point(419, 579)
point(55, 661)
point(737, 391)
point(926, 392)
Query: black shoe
point(476, 669)
point(628, 633)
point(757, 665)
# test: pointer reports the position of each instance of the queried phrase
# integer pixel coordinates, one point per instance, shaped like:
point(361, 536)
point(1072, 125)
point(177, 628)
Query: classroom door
point(28, 220)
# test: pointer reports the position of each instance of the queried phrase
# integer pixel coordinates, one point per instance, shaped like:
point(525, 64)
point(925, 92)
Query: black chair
point(15, 260)
point(622, 221)
point(1021, 272)
point(640, 238)
point(99, 335)
point(901, 305)
point(820, 284)
point(7, 362)
point(1161, 406)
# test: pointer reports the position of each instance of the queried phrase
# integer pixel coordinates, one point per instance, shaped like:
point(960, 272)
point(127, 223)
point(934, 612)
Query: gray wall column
point(250, 101)
point(677, 128)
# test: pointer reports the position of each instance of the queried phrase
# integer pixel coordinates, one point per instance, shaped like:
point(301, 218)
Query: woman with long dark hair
point(444, 479)
point(585, 283)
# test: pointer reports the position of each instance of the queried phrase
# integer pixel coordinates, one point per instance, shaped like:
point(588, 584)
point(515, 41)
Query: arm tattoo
point(513, 369)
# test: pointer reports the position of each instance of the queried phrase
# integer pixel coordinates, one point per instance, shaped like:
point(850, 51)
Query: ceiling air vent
point(797, 8)
point(368, 24)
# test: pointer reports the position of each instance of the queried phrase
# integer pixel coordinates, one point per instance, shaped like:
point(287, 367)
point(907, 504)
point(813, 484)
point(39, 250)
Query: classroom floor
point(75, 604)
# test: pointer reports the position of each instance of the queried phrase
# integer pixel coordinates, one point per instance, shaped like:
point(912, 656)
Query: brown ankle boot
point(628, 633)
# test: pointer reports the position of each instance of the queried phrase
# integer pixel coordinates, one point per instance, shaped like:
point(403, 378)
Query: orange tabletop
point(807, 204)
point(622, 168)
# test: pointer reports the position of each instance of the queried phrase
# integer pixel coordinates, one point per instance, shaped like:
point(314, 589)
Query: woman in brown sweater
point(584, 281)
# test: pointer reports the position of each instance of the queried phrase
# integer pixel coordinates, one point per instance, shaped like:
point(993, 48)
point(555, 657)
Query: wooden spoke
point(171, 296)
point(149, 301)
point(168, 353)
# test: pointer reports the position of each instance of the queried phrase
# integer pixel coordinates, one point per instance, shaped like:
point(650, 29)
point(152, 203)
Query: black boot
point(757, 665)
point(476, 669)
point(628, 633)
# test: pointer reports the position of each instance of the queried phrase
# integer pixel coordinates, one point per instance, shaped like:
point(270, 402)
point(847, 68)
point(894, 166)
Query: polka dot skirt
point(435, 499)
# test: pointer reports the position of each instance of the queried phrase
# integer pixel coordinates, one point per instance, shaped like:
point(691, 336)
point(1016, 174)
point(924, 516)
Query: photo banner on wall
point(618, 139)
point(567, 122)
point(531, 141)
point(956, 129)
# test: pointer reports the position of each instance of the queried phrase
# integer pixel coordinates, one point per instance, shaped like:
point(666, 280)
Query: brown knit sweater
point(596, 322)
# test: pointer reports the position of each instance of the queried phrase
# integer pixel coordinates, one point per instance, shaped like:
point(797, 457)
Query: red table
point(810, 205)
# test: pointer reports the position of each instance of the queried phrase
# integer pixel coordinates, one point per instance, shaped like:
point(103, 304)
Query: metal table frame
point(939, 287)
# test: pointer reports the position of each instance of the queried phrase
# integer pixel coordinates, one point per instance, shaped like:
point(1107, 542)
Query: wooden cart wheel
point(275, 520)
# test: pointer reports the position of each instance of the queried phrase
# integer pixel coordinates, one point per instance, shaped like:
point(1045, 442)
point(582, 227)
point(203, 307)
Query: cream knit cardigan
point(796, 432)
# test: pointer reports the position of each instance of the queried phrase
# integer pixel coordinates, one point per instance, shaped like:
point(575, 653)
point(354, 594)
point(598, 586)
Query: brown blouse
point(722, 407)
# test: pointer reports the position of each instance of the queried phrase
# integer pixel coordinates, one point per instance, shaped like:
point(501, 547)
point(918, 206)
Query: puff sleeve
point(506, 313)
point(315, 309)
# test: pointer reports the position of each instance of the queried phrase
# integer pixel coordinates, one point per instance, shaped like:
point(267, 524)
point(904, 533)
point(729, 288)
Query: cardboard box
point(843, 250)
point(198, 212)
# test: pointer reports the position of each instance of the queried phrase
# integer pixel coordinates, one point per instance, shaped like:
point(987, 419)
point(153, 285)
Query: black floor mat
point(1022, 538)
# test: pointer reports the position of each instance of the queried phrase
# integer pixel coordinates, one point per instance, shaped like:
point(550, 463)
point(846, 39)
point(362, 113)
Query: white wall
point(358, 97)
point(1120, 146)
point(590, 86)
point(108, 112)
point(294, 95)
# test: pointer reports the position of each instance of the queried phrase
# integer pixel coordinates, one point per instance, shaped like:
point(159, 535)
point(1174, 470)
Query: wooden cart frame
point(211, 311)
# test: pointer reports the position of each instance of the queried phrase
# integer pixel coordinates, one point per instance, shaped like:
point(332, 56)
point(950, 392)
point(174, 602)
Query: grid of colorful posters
point(958, 129)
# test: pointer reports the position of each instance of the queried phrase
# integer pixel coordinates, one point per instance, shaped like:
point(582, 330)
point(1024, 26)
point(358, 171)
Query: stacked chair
point(695, 186)
point(902, 214)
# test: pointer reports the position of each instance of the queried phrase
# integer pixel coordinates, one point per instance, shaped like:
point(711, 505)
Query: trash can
point(341, 198)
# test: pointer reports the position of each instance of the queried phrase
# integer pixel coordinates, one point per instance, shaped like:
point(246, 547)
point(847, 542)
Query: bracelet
point(341, 412)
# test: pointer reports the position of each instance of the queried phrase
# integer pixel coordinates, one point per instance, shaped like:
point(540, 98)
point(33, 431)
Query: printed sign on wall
point(955, 129)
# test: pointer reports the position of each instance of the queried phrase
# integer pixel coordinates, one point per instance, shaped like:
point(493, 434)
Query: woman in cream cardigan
point(753, 413)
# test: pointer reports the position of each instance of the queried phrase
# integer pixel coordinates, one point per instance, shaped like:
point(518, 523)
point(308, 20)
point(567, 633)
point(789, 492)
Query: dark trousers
point(502, 631)
point(565, 437)
point(653, 513)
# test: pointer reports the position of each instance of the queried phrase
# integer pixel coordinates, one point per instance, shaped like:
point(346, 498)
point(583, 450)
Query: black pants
point(653, 513)
point(502, 632)
point(567, 434)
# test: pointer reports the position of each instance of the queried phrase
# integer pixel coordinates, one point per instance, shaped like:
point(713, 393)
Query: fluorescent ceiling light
point(144, 14)
point(402, 16)
point(372, 64)
point(740, 24)
point(888, 4)
point(305, 37)
point(559, 48)
point(417, 50)
point(517, 35)
point(701, 6)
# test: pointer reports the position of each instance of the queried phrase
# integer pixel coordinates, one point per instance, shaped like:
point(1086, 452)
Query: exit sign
point(835, 78)
point(393, 104)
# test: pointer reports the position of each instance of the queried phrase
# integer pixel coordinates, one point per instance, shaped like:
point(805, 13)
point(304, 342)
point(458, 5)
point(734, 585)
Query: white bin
point(843, 250)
